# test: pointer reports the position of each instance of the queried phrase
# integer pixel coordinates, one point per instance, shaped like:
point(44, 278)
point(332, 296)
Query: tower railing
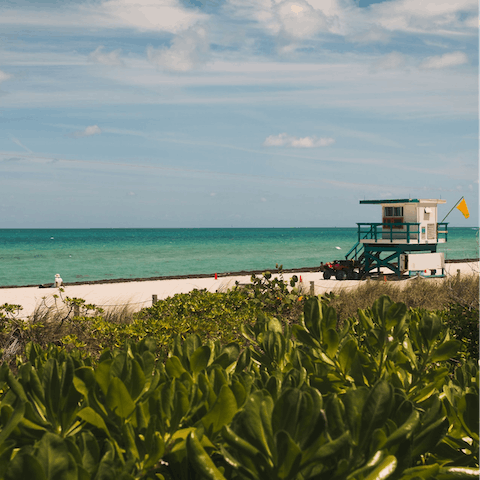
point(396, 231)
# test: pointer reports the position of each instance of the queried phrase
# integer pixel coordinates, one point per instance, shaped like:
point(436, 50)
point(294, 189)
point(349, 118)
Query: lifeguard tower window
point(394, 211)
point(393, 215)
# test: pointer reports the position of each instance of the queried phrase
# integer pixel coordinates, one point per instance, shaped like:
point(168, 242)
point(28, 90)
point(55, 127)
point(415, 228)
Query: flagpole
point(452, 209)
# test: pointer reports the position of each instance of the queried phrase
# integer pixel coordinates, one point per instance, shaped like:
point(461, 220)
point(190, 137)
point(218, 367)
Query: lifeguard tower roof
point(403, 200)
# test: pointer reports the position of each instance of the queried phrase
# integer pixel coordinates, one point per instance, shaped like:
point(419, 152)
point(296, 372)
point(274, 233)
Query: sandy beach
point(139, 294)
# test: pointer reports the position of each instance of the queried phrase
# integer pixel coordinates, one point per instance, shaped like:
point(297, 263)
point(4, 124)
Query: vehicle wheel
point(350, 275)
point(327, 275)
point(340, 275)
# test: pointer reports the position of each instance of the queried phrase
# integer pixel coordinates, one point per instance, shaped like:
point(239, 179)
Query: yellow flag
point(462, 206)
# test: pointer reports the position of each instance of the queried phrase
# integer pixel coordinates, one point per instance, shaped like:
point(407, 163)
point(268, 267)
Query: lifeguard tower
point(404, 241)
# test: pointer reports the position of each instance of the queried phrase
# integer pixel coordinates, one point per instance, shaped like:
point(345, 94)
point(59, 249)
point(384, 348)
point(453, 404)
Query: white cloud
point(111, 58)
point(144, 15)
point(422, 15)
point(88, 132)
point(187, 51)
point(444, 61)
point(299, 19)
point(285, 140)
point(166, 15)
point(4, 76)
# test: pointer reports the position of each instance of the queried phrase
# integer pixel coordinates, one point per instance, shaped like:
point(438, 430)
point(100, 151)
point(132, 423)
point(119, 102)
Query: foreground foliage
point(212, 315)
point(390, 395)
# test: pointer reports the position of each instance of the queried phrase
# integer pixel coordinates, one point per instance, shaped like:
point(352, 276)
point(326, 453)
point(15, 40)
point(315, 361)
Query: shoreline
point(136, 294)
point(241, 273)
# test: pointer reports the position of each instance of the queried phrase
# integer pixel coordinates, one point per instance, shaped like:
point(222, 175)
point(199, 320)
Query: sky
point(235, 113)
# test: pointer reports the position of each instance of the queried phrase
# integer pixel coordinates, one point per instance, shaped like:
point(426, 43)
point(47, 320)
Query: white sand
point(139, 294)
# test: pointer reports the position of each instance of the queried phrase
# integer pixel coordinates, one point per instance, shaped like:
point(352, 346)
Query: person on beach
point(58, 280)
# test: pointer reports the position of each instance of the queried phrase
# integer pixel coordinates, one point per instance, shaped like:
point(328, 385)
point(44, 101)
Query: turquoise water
point(32, 257)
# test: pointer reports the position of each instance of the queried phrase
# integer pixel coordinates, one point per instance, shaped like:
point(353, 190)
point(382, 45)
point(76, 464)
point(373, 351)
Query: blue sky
point(244, 113)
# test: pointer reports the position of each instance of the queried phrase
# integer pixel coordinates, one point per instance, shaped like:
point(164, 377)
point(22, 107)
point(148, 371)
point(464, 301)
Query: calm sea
point(33, 257)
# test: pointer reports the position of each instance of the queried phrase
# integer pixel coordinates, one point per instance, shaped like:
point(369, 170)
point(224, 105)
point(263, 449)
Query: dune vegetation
point(259, 382)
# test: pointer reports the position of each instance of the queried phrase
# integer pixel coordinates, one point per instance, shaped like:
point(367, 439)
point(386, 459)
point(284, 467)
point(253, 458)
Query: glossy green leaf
point(446, 350)
point(254, 422)
point(200, 460)
point(460, 473)
point(118, 398)
point(90, 451)
point(155, 449)
point(199, 359)
point(376, 409)
point(303, 336)
point(312, 317)
point(380, 309)
point(469, 413)
point(331, 341)
point(384, 470)
point(243, 361)
point(25, 466)
point(102, 375)
point(91, 416)
point(56, 460)
point(222, 411)
point(396, 315)
point(15, 417)
point(429, 437)
point(174, 367)
point(405, 431)
point(288, 456)
point(347, 355)
point(430, 326)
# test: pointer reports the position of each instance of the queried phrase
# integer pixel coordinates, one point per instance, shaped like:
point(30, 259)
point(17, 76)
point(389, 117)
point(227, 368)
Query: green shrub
point(378, 399)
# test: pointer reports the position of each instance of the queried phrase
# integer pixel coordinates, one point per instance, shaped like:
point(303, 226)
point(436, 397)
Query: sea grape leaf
point(287, 410)
point(446, 350)
point(174, 367)
point(380, 309)
point(90, 451)
point(384, 470)
point(91, 416)
point(199, 359)
point(102, 375)
point(222, 411)
point(469, 415)
point(229, 354)
point(84, 380)
point(243, 361)
point(289, 455)
point(118, 398)
point(430, 326)
point(331, 340)
point(429, 437)
point(200, 460)
point(312, 317)
point(14, 419)
point(304, 336)
point(24, 466)
point(329, 318)
point(396, 315)
point(347, 355)
point(56, 460)
point(254, 422)
point(137, 382)
point(376, 409)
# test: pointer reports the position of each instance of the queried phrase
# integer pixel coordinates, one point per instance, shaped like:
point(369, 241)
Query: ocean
point(33, 257)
